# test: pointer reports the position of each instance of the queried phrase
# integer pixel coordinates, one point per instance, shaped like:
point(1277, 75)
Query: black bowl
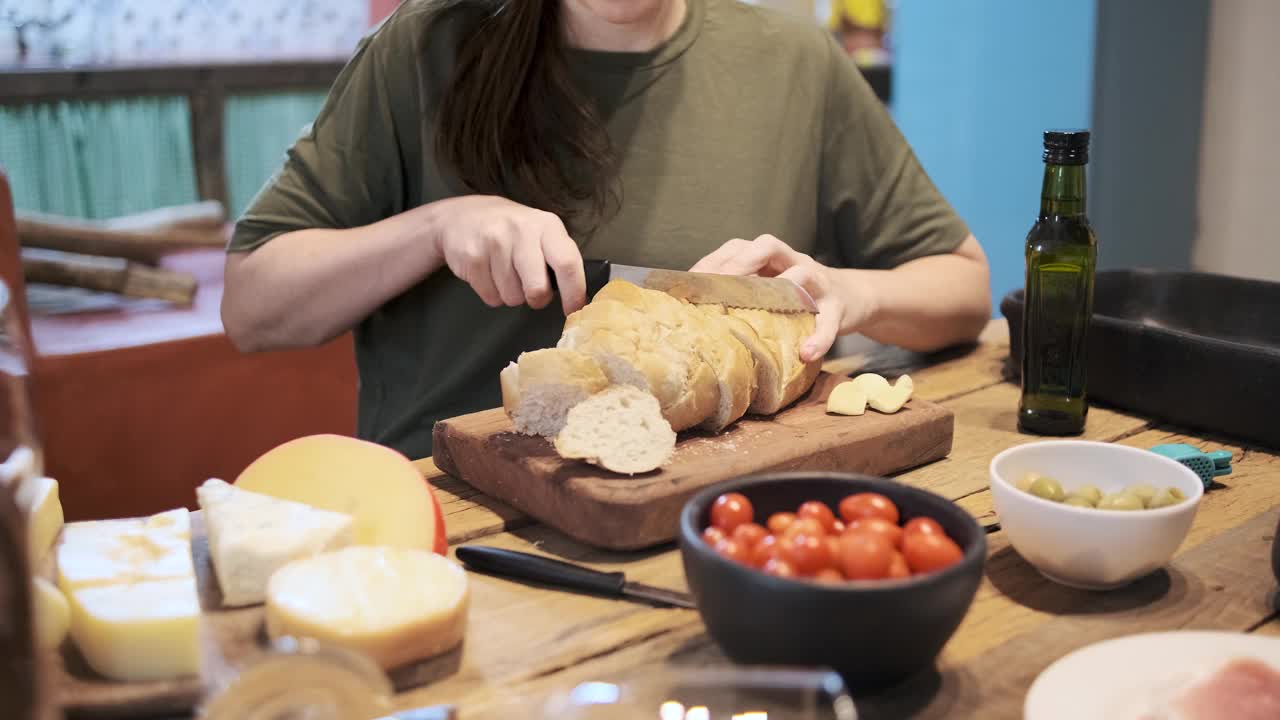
point(873, 633)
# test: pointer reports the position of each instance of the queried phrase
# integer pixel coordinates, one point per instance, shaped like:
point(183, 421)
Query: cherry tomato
point(928, 553)
point(779, 568)
point(765, 550)
point(734, 550)
point(879, 526)
point(713, 535)
point(922, 524)
point(833, 547)
point(731, 510)
point(807, 553)
point(868, 505)
point(807, 526)
point(838, 527)
point(820, 512)
point(749, 534)
point(779, 522)
point(864, 556)
point(898, 567)
point(829, 576)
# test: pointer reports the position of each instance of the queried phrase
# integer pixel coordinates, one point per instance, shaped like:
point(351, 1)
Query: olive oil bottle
point(1061, 255)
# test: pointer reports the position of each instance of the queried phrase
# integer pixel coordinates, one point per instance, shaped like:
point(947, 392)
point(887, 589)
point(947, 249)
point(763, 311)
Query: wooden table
point(524, 642)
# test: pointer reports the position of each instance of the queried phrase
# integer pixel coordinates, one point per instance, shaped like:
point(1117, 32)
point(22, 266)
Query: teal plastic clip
point(1207, 465)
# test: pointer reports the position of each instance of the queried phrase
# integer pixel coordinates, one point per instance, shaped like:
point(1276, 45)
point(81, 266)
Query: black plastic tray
point(1193, 349)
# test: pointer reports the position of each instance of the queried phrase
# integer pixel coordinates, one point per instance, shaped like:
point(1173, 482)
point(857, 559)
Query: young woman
point(472, 147)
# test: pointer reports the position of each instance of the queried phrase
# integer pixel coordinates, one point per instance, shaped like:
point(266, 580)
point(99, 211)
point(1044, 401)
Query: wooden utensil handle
point(88, 238)
point(116, 275)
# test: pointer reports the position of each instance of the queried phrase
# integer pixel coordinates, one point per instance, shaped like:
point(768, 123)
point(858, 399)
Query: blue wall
point(975, 83)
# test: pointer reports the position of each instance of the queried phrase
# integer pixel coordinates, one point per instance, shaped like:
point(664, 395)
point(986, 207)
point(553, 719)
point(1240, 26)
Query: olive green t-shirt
point(745, 122)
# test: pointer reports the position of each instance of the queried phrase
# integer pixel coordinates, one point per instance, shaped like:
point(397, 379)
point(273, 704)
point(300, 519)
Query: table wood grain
point(527, 642)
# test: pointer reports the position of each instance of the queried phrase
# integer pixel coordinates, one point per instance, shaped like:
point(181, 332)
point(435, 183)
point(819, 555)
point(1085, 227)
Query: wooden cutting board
point(230, 637)
point(620, 512)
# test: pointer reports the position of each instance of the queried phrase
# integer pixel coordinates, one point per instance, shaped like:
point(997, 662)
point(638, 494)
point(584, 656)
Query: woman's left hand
point(768, 256)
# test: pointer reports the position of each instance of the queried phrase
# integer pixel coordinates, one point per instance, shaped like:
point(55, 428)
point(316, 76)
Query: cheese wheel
point(385, 494)
point(394, 605)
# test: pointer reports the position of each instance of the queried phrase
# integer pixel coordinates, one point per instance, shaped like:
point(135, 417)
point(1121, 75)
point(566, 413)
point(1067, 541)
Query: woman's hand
point(770, 257)
point(502, 250)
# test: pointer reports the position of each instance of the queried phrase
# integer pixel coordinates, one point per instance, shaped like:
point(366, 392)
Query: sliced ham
point(1242, 689)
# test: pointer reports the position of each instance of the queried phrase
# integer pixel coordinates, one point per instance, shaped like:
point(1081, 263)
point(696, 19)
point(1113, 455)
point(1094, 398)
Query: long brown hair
point(513, 122)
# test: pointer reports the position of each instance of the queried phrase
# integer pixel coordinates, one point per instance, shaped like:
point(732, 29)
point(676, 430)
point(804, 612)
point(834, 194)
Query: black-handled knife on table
point(539, 569)
point(752, 292)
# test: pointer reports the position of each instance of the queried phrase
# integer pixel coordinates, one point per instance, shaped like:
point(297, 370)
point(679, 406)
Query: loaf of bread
point(705, 365)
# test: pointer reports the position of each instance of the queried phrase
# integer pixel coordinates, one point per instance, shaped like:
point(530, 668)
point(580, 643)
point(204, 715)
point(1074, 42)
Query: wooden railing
point(206, 87)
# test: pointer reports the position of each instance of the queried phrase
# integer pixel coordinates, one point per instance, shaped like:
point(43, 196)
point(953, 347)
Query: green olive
point(1078, 501)
point(1166, 497)
point(1090, 493)
point(1120, 501)
point(1047, 488)
point(1143, 491)
point(1024, 484)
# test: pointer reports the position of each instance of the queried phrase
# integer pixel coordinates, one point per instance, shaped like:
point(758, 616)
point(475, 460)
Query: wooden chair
point(135, 408)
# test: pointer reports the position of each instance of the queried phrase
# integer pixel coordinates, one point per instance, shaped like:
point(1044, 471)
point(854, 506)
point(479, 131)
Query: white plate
point(1109, 680)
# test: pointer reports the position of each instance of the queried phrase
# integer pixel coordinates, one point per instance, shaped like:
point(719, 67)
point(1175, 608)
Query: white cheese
point(113, 552)
point(251, 535)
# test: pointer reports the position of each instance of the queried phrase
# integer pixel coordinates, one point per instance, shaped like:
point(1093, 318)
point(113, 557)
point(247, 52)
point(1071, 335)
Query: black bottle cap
point(1066, 147)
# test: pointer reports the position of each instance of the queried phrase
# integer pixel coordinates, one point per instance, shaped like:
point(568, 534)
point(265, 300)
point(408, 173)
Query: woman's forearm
point(923, 305)
point(308, 286)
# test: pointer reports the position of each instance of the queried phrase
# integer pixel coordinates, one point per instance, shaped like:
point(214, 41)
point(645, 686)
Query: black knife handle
point(596, 272)
point(513, 564)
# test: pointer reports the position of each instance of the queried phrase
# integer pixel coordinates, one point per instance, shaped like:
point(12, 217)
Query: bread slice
point(540, 387)
point(693, 330)
point(782, 334)
point(633, 349)
point(620, 429)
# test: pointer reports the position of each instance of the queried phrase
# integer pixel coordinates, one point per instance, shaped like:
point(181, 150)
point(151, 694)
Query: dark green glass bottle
point(1061, 258)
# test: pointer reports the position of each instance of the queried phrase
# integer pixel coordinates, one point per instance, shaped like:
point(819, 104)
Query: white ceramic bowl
point(1083, 547)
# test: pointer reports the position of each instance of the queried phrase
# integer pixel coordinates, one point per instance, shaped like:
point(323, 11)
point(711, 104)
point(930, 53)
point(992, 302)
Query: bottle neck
point(1062, 193)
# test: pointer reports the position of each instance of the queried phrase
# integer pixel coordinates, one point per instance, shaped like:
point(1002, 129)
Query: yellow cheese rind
point(52, 614)
point(111, 552)
point(137, 632)
point(847, 398)
point(38, 499)
point(394, 605)
point(252, 535)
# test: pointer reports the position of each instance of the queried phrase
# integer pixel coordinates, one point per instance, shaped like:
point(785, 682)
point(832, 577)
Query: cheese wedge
point(114, 552)
point(252, 535)
point(385, 494)
point(395, 605)
point(138, 631)
point(53, 615)
point(38, 498)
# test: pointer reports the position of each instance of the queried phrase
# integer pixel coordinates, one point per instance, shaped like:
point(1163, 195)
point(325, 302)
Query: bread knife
point(737, 291)
point(539, 569)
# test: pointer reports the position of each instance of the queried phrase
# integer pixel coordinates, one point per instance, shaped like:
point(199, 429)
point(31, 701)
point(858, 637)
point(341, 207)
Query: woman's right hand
point(502, 249)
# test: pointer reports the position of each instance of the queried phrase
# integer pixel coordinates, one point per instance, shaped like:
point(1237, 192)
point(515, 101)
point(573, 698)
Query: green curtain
point(258, 129)
point(97, 159)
